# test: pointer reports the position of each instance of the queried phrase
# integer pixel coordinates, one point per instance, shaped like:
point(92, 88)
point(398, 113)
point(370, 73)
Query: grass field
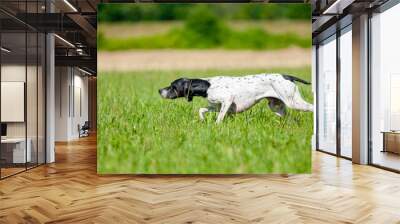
point(183, 38)
point(139, 132)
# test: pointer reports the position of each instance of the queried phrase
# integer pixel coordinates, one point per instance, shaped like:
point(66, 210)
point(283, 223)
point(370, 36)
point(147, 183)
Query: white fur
point(237, 94)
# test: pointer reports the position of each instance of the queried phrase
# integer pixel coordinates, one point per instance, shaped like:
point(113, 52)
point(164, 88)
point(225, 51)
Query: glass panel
point(346, 92)
point(31, 88)
point(31, 97)
point(13, 79)
point(385, 84)
point(41, 99)
point(22, 88)
point(327, 95)
point(2, 161)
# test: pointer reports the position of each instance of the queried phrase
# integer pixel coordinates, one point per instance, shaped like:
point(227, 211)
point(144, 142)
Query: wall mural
point(204, 88)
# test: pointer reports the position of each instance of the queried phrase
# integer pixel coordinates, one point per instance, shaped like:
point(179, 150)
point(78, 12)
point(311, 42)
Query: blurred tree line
point(176, 11)
point(203, 28)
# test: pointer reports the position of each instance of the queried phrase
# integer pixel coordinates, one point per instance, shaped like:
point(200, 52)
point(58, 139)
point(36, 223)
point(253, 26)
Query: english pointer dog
point(227, 94)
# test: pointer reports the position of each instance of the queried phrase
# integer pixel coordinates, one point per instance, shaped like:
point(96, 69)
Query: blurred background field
point(144, 47)
point(203, 26)
point(203, 36)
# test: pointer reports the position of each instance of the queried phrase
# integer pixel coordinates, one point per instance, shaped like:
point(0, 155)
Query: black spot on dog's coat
point(293, 79)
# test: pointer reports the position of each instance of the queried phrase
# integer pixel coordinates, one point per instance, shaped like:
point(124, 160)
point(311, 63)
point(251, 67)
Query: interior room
point(22, 98)
point(378, 85)
point(335, 77)
point(72, 85)
point(385, 89)
point(46, 81)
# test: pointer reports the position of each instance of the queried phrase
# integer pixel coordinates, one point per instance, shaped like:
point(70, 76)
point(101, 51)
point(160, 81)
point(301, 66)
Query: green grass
point(139, 132)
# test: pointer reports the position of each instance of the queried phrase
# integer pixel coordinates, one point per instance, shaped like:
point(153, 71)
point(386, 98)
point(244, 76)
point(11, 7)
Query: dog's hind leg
point(290, 95)
point(297, 102)
point(277, 106)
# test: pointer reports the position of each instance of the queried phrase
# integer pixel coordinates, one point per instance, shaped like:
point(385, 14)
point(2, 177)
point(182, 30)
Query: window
point(385, 89)
point(327, 95)
point(346, 75)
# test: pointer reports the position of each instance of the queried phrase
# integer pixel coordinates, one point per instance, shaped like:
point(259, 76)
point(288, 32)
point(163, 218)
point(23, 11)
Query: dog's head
point(178, 88)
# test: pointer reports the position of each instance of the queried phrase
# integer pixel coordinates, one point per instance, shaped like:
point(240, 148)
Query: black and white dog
point(236, 94)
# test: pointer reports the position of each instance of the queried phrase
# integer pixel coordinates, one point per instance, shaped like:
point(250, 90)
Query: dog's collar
point(176, 92)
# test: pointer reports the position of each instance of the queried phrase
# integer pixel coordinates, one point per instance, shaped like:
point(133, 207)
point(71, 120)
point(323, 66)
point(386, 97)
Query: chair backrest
point(86, 125)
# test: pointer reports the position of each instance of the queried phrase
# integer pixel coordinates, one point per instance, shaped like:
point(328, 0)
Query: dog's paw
point(202, 112)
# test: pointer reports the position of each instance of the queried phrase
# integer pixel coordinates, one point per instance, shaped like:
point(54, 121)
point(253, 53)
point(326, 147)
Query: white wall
point(14, 73)
point(70, 83)
point(80, 84)
point(11, 73)
point(62, 83)
point(13, 101)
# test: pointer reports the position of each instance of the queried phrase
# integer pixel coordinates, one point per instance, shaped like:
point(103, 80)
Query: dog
point(231, 95)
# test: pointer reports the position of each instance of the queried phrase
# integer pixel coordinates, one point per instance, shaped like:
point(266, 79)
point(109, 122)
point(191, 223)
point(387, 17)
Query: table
point(391, 141)
point(13, 150)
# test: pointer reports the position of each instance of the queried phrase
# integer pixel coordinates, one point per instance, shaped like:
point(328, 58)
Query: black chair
point(84, 130)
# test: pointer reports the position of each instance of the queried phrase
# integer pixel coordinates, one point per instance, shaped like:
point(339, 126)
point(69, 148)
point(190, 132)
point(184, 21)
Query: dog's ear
point(187, 88)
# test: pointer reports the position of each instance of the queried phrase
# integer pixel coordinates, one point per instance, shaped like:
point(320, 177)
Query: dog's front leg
point(202, 112)
point(224, 109)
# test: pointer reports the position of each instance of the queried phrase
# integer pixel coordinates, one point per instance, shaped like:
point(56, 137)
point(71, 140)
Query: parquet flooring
point(70, 191)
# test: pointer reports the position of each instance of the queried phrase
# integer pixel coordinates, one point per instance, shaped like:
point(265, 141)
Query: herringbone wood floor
point(70, 191)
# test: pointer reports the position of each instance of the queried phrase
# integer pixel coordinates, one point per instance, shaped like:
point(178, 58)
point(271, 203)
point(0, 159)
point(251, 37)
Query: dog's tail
point(293, 79)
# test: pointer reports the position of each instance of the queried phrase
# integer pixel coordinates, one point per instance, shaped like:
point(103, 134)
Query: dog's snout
point(163, 92)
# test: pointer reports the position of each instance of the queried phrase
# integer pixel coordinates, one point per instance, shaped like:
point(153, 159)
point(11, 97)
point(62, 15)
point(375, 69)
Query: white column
point(314, 90)
point(360, 90)
point(62, 103)
point(50, 99)
point(50, 92)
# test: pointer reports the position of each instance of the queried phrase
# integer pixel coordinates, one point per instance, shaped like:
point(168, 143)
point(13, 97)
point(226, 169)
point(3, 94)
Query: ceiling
point(327, 13)
point(74, 22)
